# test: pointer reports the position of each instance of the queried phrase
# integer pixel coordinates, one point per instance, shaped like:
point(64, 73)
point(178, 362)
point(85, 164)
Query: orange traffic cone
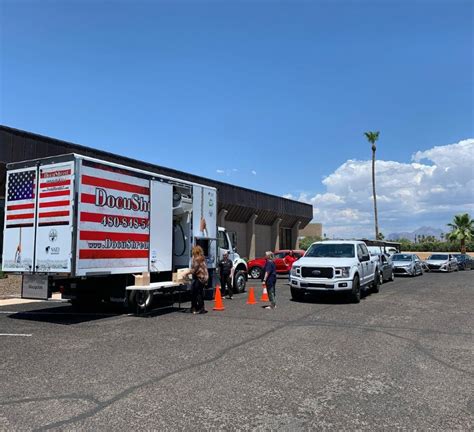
point(264, 297)
point(218, 303)
point(251, 297)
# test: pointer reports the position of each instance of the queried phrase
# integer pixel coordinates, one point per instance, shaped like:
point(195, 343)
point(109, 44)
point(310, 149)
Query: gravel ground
point(10, 286)
point(402, 359)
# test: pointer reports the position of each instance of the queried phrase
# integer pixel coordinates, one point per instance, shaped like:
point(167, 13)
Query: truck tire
point(378, 277)
point(256, 272)
point(140, 300)
point(355, 293)
point(296, 294)
point(240, 280)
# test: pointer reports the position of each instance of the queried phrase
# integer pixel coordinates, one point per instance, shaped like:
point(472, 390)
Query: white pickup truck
point(335, 266)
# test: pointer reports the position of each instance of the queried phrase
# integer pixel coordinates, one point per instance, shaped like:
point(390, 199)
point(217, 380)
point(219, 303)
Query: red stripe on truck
point(112, 253)
point(87, 198)
point(113, 184)
point(55, 184)
point(54, 203)
point(53, 214)
point(54, 194)
point(20, 206)
point(21, 216)
point(120, 236)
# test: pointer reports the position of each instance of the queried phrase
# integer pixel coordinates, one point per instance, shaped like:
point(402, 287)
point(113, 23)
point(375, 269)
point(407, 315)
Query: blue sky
point(273, 96)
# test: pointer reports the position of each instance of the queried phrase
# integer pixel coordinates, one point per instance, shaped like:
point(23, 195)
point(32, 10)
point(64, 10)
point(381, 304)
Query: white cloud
point(434, 186)
point(254, 172)
point(219, 171)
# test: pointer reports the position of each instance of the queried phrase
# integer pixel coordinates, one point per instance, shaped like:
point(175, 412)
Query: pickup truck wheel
point(355, 293)
point(140, 300)
point(296, 294)
point(378, 278)
point(256, 272)
point(239, 281)
point(392, 276)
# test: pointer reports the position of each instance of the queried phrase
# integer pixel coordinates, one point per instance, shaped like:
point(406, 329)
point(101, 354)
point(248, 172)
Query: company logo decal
point(53, 235)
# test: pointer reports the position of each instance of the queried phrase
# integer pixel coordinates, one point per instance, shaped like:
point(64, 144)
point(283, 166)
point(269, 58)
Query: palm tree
point(372, 137)
point(462, 229)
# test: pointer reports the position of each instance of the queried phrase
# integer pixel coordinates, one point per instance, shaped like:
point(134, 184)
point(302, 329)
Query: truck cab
point(239, 270)
point(335, 266)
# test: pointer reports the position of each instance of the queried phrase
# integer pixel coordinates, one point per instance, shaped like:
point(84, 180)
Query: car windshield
point(321, 250)
point(401, 257)
point(375, 250)
point(438, 257)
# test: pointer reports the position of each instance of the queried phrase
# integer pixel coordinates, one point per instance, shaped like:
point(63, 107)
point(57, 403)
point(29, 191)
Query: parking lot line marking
point(15, 334)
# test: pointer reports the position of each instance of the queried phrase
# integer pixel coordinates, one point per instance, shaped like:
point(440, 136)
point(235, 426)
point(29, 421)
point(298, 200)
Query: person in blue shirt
point(270, 279)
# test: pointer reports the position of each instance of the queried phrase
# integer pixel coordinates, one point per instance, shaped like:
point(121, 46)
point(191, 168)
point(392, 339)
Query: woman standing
point(200, 278)
point(270, 279)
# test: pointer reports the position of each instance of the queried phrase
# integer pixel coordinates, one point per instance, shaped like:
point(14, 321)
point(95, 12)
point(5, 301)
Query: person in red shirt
point(289, 260)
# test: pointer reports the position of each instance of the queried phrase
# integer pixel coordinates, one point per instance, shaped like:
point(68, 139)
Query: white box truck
point(85, 227)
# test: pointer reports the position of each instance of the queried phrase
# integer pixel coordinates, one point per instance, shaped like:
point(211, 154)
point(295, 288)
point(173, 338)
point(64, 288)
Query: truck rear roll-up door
point(54, 219)
point(20, 219)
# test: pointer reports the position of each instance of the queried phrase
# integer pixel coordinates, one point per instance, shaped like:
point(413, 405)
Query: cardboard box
point(143, 279)
point(180, 276)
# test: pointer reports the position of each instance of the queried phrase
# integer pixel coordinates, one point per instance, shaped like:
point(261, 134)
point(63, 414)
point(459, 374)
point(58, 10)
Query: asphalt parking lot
point(401, 359)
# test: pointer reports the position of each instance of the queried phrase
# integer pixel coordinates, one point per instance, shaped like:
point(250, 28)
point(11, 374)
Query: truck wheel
point(378, 278)
point(239, 281)
point(296, 294)
point(140, 300)
point(355, 293)
point(256, 272)
point(392, 276)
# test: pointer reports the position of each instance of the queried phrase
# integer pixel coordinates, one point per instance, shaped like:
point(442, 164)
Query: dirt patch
point(10, 286)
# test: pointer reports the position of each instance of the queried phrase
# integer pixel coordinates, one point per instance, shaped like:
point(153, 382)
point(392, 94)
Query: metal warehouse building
point(258, 221)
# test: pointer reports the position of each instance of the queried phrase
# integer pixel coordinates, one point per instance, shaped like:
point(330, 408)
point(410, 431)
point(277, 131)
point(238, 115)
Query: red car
point(256, 265)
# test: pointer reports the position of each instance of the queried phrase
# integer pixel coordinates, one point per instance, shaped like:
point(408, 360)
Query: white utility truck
point(85, 227)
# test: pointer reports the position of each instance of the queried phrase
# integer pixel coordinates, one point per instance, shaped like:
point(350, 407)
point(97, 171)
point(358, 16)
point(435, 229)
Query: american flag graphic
point(112, 231)
point(20, 207)
point(54, 200)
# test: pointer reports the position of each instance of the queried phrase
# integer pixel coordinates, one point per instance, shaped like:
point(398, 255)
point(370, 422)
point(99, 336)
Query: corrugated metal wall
point(241, 203)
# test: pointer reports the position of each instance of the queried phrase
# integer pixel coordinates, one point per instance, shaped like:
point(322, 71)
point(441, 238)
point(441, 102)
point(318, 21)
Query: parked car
point(257, 265)
point(386, 268)
point(442, 262)
point(465, 262)
point(391, 250)
point(407, 264)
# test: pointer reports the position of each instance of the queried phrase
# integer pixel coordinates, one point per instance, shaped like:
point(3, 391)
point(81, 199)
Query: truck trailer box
point(86, 227)
point(75, 217)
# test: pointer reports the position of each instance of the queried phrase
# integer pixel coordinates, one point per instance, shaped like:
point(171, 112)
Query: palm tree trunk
point(375, 197)
point(463, 246)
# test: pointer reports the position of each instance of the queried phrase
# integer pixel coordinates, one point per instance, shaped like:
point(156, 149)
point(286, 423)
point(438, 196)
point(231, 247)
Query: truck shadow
point(330, 298)
point(65, 314)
